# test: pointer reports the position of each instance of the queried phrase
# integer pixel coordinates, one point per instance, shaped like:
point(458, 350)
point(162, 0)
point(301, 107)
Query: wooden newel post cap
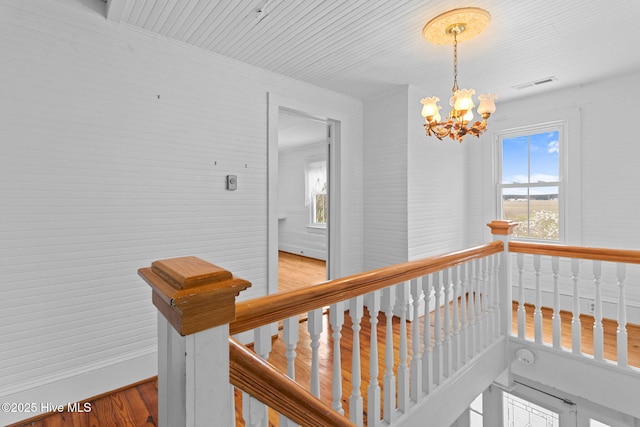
point(192, 294)
point(499, 226)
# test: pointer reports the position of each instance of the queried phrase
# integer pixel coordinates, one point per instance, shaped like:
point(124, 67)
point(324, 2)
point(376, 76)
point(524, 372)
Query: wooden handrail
point(273, 308)
point(598, 254)
point(260, 379)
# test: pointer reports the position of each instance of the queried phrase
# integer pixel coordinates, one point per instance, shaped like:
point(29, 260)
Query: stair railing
point(196, 301)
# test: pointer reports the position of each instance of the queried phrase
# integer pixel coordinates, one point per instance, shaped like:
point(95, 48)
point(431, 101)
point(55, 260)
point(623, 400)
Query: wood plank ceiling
point(362, 47)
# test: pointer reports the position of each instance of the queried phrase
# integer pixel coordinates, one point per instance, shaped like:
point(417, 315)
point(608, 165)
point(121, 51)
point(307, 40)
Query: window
point(530, 184)
point(521, 412)
point(316, 192)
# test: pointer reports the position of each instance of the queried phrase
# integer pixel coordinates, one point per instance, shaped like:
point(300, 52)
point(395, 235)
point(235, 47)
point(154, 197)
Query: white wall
point(415, 195)
point(438, 195)
point(294, 233)
point(385, 179)
point(609, 191)
point(115, 147)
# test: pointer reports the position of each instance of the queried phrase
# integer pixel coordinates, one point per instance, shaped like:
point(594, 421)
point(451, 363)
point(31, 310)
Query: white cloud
point(536, 177)
point(553, 147)
point(541, 177)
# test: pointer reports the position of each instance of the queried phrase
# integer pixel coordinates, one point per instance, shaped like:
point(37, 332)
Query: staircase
point(449, 341)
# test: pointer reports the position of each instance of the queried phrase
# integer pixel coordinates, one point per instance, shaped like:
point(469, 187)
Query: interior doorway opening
point(304, 198)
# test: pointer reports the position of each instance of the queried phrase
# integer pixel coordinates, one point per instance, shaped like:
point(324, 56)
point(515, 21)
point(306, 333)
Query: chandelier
point(452, 27)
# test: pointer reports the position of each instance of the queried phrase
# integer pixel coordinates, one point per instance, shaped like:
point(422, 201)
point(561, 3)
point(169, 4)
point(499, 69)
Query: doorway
point(303, 199)
point(303, 217)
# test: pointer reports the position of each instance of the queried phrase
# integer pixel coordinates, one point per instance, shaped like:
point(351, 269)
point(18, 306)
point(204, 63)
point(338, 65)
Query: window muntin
point(530, 184)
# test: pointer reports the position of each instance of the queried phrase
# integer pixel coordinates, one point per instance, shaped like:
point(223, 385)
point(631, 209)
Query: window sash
point(528, 131)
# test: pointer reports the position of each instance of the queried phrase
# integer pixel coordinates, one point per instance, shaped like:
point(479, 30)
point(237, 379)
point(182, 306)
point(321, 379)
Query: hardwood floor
point(296, 271)
point(137, 405)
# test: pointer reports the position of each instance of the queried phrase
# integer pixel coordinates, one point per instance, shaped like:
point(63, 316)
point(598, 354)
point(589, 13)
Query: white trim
point(334, 118)
point(570, 170)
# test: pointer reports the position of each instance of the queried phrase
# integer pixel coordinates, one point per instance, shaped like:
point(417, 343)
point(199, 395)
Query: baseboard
point(81, 386)
point(300, 250)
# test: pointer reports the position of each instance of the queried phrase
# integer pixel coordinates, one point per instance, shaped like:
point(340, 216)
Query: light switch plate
point(232, 182)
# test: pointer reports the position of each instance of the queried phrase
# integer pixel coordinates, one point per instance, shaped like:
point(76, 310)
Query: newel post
point(502, 230)
point(195, 302)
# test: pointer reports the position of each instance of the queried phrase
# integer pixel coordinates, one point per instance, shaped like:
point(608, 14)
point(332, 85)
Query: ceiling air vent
point(535, 83)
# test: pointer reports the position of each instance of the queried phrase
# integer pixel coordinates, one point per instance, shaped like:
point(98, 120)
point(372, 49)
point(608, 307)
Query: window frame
point(310, 201)
point(561, 126)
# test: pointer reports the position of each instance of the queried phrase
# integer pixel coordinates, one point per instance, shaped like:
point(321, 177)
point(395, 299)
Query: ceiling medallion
point(450, 28)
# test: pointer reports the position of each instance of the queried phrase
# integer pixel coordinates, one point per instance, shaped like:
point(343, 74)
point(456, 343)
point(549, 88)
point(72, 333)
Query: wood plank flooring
point(137, 404)
point(296, 271)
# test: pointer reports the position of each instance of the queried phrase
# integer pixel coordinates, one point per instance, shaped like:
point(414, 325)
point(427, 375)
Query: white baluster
point(336, 319)
point(621, 334)
point(389, 380)
point(455, 338)
point(290, 336)
point(576, 326)
point(355, 400)
point(437, 330)
point(416, 361)
point(427, 356)
point(598, 332)
point(537, 313)
point(402, 296)
point(556, 323)
point(490, 304)
point(373, 392)
point(255, 412)
point(446, 347)
point(496, 295)
point(477, 321)
point(314, 325)
point(474, 271)
point(464, 281)
point(522, 314)
point(482, 305)
point(262, 341)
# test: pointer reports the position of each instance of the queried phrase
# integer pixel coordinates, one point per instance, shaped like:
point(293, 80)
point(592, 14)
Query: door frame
point(275, 103)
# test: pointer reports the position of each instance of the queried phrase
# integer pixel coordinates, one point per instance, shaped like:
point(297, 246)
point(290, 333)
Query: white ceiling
point(362, 47)
point(295, 130)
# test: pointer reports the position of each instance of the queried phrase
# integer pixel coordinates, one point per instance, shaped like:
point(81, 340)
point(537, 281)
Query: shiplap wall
point(415, 186)
point(609, 198)
point(115, 147)
point(294, 233)
point(385, 179)
point(437, 197)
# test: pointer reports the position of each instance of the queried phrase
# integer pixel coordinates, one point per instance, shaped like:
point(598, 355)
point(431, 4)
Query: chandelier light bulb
point(487, 103)
point(430, 107)
point(464, 99)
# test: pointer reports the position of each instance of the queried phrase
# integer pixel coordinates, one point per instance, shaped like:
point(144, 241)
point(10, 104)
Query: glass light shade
point(437, 117)
point(468, 117)
point(487, 103)
point(464, 99)
point(430, 106)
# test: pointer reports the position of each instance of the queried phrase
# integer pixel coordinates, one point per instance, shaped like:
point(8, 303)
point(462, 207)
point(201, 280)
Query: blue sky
point(543, 149)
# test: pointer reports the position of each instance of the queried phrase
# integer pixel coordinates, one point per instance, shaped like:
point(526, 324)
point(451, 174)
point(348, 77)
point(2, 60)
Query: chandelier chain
point(455, 62)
